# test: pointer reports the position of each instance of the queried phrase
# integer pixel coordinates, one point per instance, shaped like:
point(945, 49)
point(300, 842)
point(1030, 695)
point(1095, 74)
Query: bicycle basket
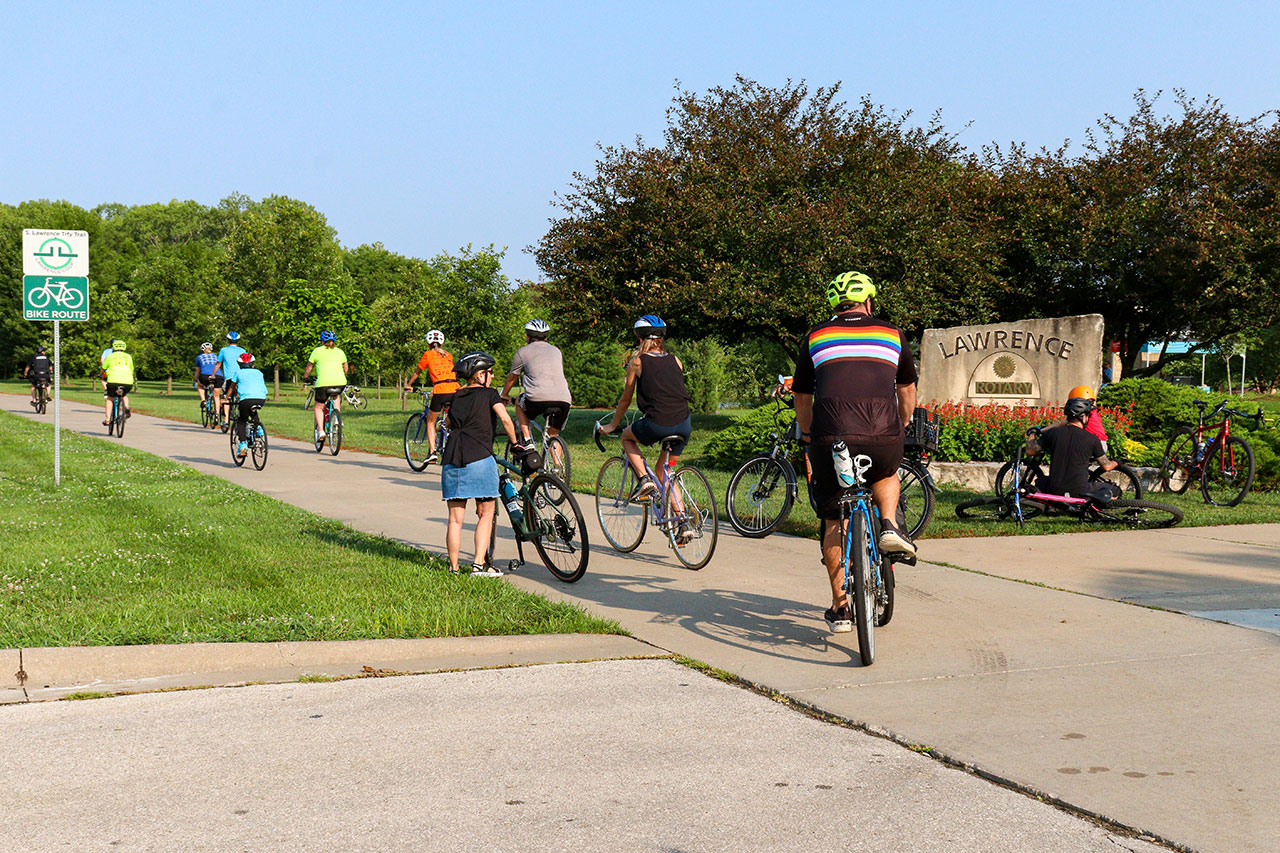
point(923, 430)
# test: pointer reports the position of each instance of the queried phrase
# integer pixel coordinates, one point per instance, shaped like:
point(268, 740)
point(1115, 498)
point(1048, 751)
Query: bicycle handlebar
point(595, 435)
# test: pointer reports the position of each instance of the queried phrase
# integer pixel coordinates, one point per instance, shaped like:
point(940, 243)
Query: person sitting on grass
point(470, 471)
point(252, 386)
point(1073, 448)
point(117, 374)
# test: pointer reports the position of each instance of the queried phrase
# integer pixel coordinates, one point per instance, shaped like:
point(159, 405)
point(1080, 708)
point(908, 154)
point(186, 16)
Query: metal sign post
point(55, 286)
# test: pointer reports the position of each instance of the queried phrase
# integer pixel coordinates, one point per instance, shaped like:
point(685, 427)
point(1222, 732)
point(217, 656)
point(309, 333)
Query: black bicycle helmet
point(1077, 407)
point(472, 363)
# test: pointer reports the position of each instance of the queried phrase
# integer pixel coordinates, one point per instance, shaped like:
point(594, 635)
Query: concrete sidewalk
point(1157, 720)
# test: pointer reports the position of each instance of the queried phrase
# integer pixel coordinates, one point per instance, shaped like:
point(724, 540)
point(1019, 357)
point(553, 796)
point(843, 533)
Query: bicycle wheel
point(1031, 474)
point(416, 450)
point(42, 400)
point(235, 445)
point(860, 585)
point(318, 436)
point(1121, 475)
point(335, 432)
point(111, 421)
point(309, 401)
point(884, 593)
point(226, 419)
point(360, 402)
point(557, 459)
point(560, 531)
point(760, 495)
point(621, 520)
point(1178, 468)
point(696, 517)
point(1139, 513)
point(204, 415)
point(258, 447)
point(915, 497)
point(1228, 472)
point(120, 418)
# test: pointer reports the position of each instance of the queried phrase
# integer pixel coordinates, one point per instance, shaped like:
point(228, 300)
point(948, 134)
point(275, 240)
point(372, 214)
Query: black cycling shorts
point(826, 492)
point(36, 379)
point(440, 402)
point(555, 411)
point(206, 379)
point(114, 390)
point(324, 392)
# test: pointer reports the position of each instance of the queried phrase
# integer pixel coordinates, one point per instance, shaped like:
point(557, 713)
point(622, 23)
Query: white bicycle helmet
point(435, 336)
point(538, 327)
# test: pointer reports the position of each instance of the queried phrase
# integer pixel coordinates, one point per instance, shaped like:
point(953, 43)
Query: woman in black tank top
point(656, 378)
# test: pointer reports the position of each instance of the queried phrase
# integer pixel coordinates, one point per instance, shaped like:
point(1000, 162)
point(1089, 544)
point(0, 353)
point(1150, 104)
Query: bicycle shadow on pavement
point(753, 622)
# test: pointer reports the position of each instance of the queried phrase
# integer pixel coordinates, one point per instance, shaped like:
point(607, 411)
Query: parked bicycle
point(417, 450)
point(351, 393)
point(683, 508)
point(1034, 472)
point(867, 572)
point(543, 510)
point(1022, 500)
point(255, 435)
point(763, 490)
point(1224, 465)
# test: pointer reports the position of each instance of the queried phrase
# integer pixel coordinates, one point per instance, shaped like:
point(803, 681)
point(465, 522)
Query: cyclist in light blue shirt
point(228, 367)
point(252, 386)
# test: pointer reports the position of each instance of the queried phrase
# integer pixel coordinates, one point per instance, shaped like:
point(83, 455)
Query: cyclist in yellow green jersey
point(117, 372)
point(330, 364)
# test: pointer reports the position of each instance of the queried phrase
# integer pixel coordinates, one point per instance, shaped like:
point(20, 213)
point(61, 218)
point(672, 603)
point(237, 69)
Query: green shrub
point(748, 434)
point(706, 368)
point(1155, 406)
point(595, 371)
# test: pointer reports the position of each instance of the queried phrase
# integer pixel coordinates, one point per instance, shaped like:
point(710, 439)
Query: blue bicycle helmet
point(327, 336)
point(233, 336)
point(650, 326)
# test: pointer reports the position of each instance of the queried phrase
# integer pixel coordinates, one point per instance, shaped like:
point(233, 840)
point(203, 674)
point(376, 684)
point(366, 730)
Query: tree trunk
point(379, 386)
point(169, 385)
point(275, 393)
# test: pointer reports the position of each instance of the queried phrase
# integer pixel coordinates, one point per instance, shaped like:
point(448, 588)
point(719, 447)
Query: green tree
point(757, 197)
point(292, 327)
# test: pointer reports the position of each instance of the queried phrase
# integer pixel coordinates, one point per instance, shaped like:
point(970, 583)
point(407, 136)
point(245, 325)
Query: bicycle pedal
point(904, 560)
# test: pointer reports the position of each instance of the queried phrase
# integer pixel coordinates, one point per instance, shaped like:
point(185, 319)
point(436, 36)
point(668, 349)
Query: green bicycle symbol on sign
point(55, 248)
point(59, 292)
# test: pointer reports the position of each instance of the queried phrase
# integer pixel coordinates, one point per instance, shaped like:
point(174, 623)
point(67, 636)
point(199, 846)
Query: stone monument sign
point(1029, 362)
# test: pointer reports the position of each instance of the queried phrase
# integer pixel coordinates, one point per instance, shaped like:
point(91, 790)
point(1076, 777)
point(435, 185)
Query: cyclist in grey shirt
point(539, 367)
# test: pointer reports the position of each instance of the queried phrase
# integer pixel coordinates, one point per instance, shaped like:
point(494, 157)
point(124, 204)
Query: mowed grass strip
point(132, 549)
point(380, 429)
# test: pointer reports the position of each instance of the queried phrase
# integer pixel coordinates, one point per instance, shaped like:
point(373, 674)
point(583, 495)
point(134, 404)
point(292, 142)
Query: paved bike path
point(1156, 719)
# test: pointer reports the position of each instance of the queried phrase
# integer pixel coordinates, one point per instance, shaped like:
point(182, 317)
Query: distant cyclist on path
point(252, 386)
point(855, 380)
point(330, 365)
point(40, 368)
point(206, 365)
point(117, 374)
point(227, 367)
point(444, 384)
point(539, 368)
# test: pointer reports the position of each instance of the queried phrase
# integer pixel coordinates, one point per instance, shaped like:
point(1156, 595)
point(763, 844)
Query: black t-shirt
point(852, 365)
point(40, 365)
point(471, 425)
point(1073, 449)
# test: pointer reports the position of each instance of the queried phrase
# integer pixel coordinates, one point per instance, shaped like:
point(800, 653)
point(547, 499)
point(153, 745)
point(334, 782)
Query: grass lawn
point(380, 429)
point(133, 548)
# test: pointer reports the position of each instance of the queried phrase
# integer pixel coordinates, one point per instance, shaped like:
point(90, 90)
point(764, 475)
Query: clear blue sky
point(428, 126)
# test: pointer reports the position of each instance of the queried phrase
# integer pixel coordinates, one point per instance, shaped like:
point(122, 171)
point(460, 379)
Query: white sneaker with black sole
point(894, 541)
point(839, 621)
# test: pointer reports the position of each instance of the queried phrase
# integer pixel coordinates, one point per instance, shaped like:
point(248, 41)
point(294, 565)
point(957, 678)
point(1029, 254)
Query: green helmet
point(118, 345)
point(850, 287)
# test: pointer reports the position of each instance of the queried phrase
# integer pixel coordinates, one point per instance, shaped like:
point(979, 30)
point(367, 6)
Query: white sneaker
point(894, 541)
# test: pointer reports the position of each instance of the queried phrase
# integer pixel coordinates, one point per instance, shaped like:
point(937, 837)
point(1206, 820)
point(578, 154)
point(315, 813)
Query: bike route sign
point(51, 297)
point(55, 274)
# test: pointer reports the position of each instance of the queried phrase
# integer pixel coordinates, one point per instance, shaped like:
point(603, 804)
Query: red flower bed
point(991, 433)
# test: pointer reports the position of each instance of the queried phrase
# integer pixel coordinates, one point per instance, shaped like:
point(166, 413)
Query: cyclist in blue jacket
point(252, 386)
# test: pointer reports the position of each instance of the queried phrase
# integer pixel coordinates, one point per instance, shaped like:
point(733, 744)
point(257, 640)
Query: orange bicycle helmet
point(1083, 392)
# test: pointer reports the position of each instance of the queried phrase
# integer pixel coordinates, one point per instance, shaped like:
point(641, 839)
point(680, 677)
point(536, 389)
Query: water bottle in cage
point(1200, 449)
point(511, 498)
point(844, 464)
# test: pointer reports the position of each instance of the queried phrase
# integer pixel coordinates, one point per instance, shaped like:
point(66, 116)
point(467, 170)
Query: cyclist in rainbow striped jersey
point(855, 381)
